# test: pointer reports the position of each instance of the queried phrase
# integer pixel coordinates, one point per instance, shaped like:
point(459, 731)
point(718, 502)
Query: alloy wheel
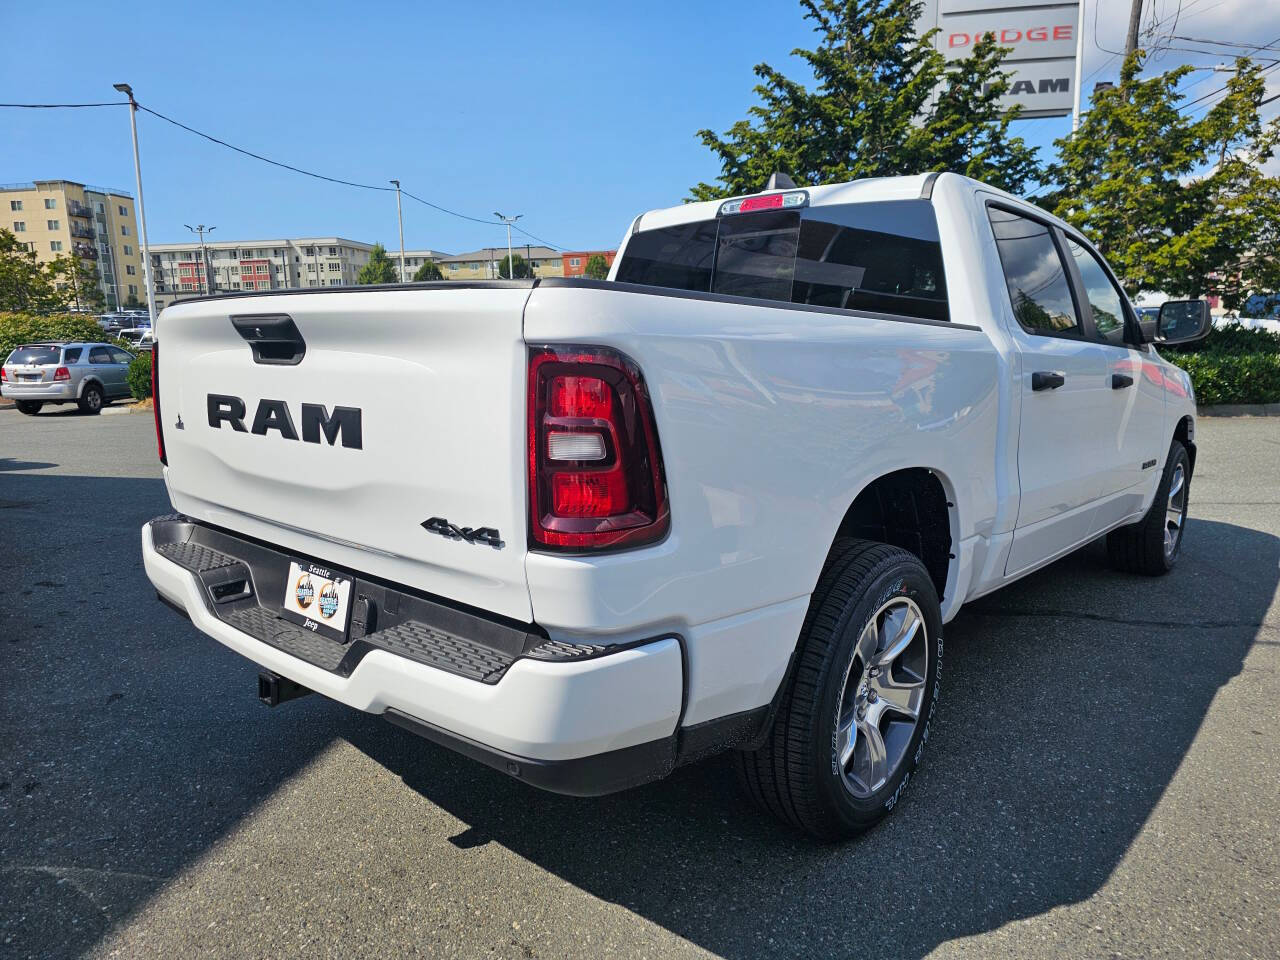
point(881, 698)
point(1175, 514)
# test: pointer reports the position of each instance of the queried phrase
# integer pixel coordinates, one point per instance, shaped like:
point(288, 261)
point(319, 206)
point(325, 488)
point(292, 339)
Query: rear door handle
point(1047, 380)
point(1121, 380)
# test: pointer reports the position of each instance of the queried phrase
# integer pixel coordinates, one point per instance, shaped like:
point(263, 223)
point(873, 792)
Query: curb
point(1240, 410)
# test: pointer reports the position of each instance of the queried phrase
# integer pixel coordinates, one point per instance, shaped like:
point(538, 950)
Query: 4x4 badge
point(444, 528)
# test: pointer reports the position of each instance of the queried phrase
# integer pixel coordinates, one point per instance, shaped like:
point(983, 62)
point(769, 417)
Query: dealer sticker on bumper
point(318, 599)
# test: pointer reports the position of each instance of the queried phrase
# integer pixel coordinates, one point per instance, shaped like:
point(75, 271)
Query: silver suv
point(87, 374)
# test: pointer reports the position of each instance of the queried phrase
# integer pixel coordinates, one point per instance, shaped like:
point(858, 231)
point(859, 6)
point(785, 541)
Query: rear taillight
point(62, 373)
point(155, 401)
point(4, 374)
point(595, 468)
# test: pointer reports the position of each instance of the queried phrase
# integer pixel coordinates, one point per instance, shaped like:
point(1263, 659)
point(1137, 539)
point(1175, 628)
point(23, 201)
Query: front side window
point(1035, 275)
point(121, 356)
point(99, 355)
point(1106, 302)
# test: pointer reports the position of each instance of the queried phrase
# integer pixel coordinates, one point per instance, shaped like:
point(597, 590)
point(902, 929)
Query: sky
point(577, 116)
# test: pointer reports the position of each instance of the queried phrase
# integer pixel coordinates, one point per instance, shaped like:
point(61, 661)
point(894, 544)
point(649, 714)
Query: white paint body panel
point(770, 420)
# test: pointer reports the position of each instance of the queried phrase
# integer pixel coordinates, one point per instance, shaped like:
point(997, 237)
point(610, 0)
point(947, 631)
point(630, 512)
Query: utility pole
point(511, 267)
point(400, 217)
point(1135, 21)
point(201, 230)
point(1075, 113)
point(142, 213)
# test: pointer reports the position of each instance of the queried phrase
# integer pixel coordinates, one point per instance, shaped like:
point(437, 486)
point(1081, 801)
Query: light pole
point(400, 217)
point(201, 229)
point(142, 211)
point(511, 267)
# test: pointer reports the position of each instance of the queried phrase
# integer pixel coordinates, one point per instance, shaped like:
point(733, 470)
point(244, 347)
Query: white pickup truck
point(585, 531)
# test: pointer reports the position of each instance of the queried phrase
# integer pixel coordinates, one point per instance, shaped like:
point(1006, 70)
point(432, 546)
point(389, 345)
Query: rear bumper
point(51, 392)
point(593, 722)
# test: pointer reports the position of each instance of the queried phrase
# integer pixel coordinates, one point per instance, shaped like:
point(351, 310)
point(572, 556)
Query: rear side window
point(1035, 275)
point(72, 354)
point(883, 257)
point(34, 355)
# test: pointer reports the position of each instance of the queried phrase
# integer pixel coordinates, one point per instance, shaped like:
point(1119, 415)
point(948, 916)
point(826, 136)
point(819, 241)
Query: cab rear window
point(883, 257)
point(39, 355)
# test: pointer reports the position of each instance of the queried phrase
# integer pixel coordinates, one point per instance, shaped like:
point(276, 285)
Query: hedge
point(17, 328)
point(140, 376)
point(1233, 364)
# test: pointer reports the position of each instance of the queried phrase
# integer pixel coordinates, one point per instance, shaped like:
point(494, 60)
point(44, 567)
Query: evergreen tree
point(522, 269)
point(886, 103)
point(428, 271)
point(380, 268)
point(597, 267)
point(1175, 203)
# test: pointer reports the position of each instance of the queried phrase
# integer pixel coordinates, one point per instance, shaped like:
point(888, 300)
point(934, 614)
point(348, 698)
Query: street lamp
point(400, 217)
point(142, 211)
point(511, 267)
point(201, 229)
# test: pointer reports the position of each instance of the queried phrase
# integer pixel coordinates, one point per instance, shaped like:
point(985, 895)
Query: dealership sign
point(1041, 37)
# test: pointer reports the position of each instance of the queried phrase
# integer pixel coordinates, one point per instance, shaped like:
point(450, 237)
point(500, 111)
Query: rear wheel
point(29, 407)
point(91, 400)
point(852, 725)
point(1151, 545)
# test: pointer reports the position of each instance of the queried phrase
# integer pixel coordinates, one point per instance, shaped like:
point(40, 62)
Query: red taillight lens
point(4, 374)
point(155, 401)
point(592, 402)
point(62, 373)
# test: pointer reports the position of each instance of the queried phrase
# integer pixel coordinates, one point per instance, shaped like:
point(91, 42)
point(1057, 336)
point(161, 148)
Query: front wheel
point(29, 407)
point(1151, 545)
point(852, 725)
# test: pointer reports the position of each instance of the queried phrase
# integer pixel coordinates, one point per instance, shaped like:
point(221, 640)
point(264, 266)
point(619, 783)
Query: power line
point(64, 106)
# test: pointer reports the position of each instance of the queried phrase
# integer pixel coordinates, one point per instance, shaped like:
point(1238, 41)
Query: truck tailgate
point(437, 375)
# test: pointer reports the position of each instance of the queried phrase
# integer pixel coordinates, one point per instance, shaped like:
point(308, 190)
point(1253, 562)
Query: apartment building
point(575, 261)
point(59, 217)
point(231, 266)
point(483, 264)
point(413, 260)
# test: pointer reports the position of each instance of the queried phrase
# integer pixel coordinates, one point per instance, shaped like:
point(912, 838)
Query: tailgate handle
point(273, 337)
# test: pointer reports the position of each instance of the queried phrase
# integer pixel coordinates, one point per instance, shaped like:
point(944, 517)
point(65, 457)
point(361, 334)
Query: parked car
point(88, 374)
point(141, 338)
point(585, 531)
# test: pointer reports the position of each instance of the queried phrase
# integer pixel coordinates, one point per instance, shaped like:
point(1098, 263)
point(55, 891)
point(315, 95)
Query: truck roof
point(868, 189)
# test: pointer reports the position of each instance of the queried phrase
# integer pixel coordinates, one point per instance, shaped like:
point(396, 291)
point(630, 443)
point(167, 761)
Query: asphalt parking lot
point(1104, 778)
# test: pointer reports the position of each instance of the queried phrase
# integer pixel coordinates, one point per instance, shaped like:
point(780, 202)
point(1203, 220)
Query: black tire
point(90, 401)
point(29, 407)
point(1143, 547)
point(797, 775)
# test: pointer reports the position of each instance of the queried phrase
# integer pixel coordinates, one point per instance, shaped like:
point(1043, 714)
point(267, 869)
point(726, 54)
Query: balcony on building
point(78, 209)
point(86, 251)
point(82, 231)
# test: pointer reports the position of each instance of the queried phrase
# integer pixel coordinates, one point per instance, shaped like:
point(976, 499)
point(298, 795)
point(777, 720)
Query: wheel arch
point(914, 508)
point(88, 379)
point(1184, 432)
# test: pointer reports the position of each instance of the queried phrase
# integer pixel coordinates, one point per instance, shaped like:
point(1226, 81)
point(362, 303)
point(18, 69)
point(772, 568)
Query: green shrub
point(140, 376)
point(16, 328)
point(1233, 364)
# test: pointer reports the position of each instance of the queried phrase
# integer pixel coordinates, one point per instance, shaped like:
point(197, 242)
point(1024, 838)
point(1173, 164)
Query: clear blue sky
point(576, 115)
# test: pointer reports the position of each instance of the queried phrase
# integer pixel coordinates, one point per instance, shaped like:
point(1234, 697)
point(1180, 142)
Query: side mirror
point(1182, 321)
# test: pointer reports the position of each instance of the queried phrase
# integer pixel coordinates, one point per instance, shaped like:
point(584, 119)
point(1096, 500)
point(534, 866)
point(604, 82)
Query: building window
point(53, 224)
point(124, 231)
point(333, 251)
point(130, 269)
point(50, 203)
point(133, 289)
point(15, 204)
point(122, 210)
point(575, 261)
point(128, 250)
point(334, 267)
point(19, 226)
point(55, 246)
point(335, 281)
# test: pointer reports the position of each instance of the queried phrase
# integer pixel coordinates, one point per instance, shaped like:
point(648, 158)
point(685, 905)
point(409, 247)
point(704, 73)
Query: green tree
point(522, 269)
point(1174, 202)
point(429, 271)
point(34, 287)
point(380, 268)
point(597, 267)
point(131, 302)
point(885, 103)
